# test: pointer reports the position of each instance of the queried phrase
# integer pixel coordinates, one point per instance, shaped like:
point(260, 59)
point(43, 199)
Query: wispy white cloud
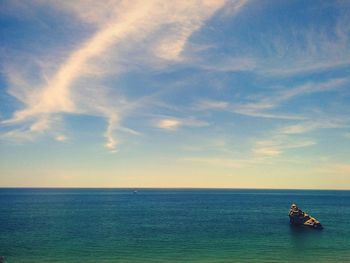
point(279, 140)
point(264, 152)
point(309, 88)
point(61, 138)
point(312, 125)
point(230, 65)
point(285, 48)
point(175, 123)
point(257, 109)
point(164, 27)
point(313, 49)
point(17, 135)
point(267, 151)
point(263, 105)
point(169, 124)
point(276, 145)
point(305, 68)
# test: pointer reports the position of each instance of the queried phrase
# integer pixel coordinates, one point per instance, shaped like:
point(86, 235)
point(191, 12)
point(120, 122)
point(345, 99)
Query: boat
point(299, 218)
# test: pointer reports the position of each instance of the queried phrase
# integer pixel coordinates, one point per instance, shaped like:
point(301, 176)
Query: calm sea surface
point(172, 225)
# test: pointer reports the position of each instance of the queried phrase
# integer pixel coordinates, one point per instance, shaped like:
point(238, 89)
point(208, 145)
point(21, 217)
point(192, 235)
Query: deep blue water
point(171, 225)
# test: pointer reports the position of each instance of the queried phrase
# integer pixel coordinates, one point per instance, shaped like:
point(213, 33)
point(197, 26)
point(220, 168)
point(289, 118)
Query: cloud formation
point(263, 105)
point(175, 123)
point(120, 26)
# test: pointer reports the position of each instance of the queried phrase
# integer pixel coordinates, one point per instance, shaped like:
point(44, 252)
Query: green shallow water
point(172, 225)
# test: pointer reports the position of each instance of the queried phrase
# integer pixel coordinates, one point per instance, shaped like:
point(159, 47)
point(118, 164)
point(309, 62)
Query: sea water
point(171, 225)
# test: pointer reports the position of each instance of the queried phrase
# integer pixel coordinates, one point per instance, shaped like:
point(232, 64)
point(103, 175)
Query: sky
point(185, 93)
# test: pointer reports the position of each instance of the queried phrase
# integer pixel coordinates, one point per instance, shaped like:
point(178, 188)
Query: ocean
point(171, 225)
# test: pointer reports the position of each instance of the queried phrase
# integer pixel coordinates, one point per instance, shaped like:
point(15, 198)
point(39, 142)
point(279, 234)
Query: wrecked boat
point(299, 218)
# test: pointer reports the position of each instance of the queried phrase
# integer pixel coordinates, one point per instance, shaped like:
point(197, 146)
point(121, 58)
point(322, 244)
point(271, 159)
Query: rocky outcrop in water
point(300, 218)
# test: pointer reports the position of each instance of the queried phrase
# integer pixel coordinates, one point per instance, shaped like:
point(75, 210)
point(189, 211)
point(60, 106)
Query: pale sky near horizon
point(212, 93)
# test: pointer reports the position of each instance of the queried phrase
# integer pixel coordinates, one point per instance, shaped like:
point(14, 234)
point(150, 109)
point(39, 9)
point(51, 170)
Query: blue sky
point(175, 94)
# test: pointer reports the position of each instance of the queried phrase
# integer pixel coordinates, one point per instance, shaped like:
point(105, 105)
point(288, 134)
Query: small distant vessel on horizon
point(299, 218)
point(135, 192)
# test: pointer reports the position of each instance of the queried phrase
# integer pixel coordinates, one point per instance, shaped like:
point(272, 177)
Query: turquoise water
point(115, 225)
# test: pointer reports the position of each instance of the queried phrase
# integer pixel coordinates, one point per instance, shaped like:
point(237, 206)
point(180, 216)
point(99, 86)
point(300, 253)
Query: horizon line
point(169, 188)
